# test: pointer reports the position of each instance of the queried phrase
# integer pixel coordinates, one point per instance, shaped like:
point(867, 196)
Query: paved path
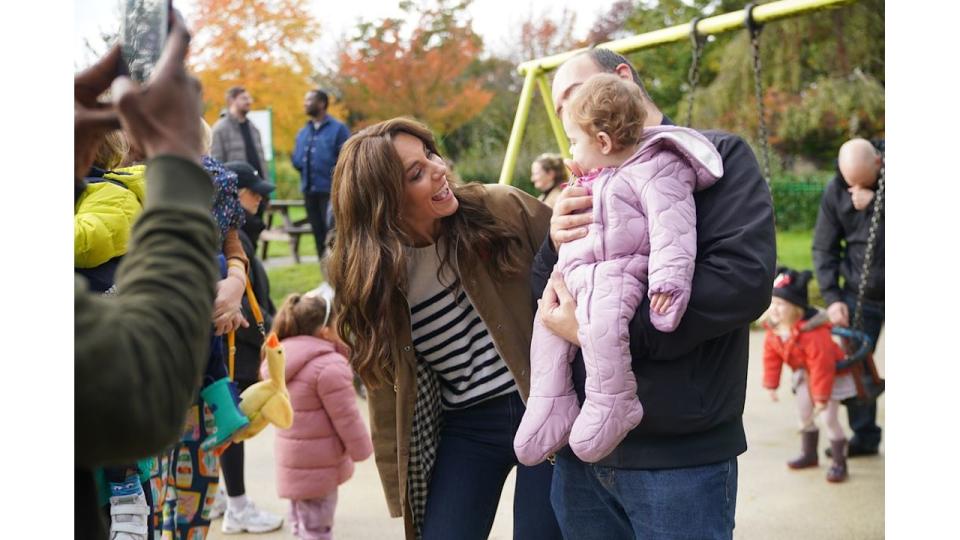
point(773, 502)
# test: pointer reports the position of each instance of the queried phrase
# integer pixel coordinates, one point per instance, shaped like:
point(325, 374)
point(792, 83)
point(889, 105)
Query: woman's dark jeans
point(473, 461)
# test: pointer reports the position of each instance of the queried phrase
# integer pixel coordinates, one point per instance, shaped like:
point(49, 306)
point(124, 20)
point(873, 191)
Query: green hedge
point(796, 200)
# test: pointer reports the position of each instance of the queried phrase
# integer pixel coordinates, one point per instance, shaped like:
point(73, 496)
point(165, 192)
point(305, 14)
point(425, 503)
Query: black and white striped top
point(450, 337)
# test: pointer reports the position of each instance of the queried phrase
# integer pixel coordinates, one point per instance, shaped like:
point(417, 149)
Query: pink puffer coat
point(642, 241)
point(328, 434)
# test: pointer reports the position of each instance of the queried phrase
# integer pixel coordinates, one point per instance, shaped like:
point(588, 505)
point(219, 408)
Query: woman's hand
point(558, 310)
point(227, 314)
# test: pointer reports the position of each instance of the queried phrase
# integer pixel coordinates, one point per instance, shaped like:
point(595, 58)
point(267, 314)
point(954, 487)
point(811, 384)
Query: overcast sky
point(494, 20)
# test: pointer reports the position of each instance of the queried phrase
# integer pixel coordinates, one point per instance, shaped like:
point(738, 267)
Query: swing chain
point(754, 29)
point(693, 75)
point(868, 255)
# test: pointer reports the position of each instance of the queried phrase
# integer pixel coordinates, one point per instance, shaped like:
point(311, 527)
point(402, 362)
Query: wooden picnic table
point(288, 230)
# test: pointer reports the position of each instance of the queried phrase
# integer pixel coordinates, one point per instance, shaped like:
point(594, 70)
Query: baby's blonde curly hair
point(607, 103)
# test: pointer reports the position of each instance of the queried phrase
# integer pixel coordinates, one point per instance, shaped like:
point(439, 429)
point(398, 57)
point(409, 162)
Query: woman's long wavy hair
point(367, 267)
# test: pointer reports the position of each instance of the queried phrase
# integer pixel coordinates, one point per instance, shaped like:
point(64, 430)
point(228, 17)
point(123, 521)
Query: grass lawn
point(297, 278)
point(793, 250)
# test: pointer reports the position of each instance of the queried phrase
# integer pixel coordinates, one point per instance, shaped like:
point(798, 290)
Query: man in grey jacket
point(235, 138)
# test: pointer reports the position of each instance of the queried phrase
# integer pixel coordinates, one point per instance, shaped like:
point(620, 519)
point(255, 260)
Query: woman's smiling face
point(427, 194)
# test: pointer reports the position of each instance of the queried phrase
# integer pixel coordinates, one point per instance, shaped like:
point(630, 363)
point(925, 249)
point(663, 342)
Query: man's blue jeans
point(604, 503)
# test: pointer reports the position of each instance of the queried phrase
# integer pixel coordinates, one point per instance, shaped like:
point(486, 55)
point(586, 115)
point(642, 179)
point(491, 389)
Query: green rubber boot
point(227, 417)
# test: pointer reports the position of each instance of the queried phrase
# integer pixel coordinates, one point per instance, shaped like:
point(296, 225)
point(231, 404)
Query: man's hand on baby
point(661, 302)
point(568, 222)
point(557, 310)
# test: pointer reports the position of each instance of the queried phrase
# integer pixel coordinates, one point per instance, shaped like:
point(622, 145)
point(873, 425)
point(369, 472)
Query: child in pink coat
point(643, 241)
point(328, 434)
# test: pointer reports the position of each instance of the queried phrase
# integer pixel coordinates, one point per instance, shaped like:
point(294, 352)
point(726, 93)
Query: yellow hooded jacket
point(104, 214)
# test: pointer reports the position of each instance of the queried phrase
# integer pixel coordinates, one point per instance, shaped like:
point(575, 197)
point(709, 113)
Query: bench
point(289, 230)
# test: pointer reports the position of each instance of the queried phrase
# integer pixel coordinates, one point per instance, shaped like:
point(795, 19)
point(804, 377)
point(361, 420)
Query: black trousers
point(316, 205)
point(863, 417)
point(231, 460)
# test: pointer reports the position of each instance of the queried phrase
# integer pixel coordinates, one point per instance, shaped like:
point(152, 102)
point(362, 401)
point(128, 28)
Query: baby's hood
point(700, 152)
point(300, 351)
point(133, 177)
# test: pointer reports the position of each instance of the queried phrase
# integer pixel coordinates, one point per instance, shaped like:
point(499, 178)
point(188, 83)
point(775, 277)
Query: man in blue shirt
point(315, 155)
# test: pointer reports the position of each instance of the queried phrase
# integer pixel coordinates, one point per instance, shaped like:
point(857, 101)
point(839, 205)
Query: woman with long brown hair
point(434, 302)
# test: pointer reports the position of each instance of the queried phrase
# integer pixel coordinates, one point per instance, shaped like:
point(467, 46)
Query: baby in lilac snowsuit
point(642, 240)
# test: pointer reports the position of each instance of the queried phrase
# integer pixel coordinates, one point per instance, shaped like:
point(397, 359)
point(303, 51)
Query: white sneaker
point(250, 519)
point(128, 517)
point(219, 505)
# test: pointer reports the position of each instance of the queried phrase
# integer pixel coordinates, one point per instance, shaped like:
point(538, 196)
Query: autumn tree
point(540, 35)
point(262, 45)
point(390, 70)
point(478, 148)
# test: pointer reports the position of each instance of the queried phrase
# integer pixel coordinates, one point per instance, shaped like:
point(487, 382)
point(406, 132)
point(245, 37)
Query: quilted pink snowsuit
point(643, 233)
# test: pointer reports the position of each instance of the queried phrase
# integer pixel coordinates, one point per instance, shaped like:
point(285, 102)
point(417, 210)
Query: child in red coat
point(796, 337)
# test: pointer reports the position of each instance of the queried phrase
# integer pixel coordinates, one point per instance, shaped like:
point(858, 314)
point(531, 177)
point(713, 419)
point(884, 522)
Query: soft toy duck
point(267, 401)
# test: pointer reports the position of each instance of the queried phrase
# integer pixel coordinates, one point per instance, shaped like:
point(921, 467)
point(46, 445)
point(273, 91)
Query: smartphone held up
point(143, 30)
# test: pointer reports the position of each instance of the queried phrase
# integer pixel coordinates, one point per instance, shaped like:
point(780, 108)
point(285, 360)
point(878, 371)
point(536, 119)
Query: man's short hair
point(233, 92)
point(322, 96)
point(609, 60)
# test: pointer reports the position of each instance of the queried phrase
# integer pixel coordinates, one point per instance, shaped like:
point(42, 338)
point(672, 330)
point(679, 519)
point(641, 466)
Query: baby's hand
point(660, 302)
point(773, 396)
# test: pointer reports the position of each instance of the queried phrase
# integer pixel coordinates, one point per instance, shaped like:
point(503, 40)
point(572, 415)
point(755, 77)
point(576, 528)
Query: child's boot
point(222, 400)
point(808, 451)
point(552, 405)
point(838, 469)
point(128, 510)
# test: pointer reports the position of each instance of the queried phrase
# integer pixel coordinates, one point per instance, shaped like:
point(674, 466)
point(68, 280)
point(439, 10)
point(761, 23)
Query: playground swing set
point(858, 344)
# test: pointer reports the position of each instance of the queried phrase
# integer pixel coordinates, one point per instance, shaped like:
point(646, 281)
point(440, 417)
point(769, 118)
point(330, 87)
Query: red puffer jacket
point(809, 347)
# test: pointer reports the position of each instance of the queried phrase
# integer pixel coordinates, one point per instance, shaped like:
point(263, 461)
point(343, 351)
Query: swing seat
point(869, 384)
point(860, 343)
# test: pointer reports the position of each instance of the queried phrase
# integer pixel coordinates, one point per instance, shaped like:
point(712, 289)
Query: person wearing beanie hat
point(796, 336)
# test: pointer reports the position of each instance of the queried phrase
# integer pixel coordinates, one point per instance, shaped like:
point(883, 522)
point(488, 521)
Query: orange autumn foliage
point(261, 45)
point(385, 74)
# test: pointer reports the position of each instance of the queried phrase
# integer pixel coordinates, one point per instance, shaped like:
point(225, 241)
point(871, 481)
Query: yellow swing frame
point(535, 71)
